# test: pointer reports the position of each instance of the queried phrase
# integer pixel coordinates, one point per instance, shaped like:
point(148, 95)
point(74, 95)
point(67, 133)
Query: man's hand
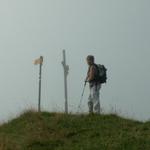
point(86, 80)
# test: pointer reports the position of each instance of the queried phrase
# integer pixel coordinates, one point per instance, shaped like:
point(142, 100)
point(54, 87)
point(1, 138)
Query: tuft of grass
point(56, 131)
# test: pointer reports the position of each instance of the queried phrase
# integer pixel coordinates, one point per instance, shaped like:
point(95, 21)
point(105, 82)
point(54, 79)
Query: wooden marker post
point(66, 71)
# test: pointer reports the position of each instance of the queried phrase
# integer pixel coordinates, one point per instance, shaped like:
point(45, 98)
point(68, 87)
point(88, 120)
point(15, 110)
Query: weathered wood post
point(66, 71)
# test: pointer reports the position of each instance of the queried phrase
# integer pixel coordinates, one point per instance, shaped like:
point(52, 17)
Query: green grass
point(52, 131)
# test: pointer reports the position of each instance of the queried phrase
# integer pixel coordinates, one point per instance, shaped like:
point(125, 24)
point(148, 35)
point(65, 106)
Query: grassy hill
point(52, 131)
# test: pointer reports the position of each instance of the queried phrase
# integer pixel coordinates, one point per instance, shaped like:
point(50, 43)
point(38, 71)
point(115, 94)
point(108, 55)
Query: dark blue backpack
point(101, 73)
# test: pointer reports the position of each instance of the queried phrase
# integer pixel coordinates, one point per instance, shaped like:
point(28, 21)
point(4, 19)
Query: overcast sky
point(115, 31)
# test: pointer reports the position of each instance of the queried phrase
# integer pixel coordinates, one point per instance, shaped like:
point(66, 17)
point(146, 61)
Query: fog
point(116, 32)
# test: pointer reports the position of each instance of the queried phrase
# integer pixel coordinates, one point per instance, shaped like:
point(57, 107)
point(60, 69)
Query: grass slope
point(52, 131)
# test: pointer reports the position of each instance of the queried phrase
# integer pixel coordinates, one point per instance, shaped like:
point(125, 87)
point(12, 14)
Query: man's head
point(90, 60)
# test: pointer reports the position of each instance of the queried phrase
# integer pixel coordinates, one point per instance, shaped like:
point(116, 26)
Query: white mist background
point(116, 32)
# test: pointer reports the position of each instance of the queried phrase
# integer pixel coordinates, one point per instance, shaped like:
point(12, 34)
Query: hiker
point(95, 84)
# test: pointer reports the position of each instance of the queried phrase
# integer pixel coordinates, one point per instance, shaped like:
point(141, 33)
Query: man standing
point(95, 86)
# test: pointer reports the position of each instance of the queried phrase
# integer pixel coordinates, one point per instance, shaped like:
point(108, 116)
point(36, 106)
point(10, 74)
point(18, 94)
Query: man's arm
point(91, 75)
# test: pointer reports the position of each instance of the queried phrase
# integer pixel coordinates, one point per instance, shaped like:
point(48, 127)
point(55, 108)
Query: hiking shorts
point(94, 99)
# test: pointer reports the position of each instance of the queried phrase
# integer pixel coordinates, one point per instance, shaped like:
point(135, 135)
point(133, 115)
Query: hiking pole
point(79, 107)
